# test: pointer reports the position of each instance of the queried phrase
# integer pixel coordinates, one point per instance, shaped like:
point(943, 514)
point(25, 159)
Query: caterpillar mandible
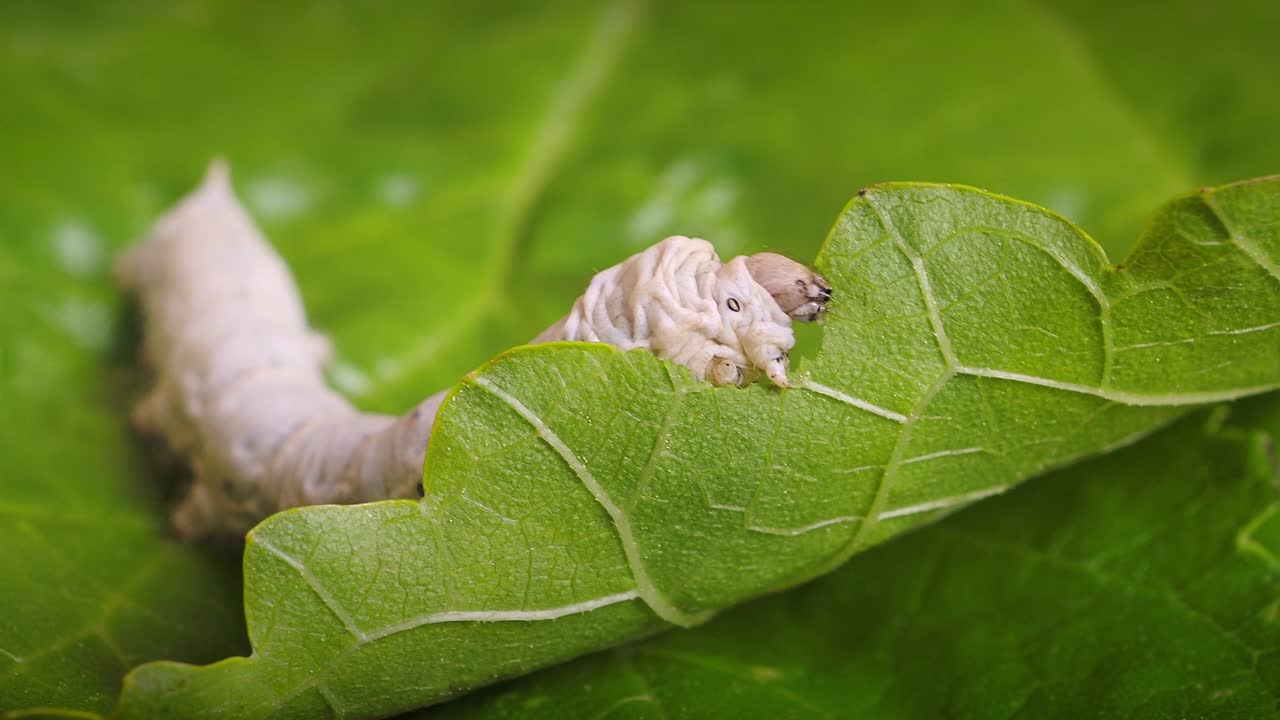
point(240, 391)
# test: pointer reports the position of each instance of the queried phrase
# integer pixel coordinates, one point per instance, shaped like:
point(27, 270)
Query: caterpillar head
point(799, 291)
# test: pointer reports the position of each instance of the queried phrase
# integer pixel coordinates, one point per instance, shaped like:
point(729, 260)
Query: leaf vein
point(621, 521)
point(1119, 396)
point(314, 583)
point(922, 278)
point(1246, 246)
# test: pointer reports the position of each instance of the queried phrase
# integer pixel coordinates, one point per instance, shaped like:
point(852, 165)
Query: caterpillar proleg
point(239, 386)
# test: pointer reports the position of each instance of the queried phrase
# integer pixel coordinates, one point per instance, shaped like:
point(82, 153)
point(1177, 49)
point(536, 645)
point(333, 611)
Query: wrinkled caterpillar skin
point(239, 384)
point(679, 301)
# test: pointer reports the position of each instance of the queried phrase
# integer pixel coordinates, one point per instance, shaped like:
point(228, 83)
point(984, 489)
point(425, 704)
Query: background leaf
point(578, 496)
point(1141, 584)
point(408, 159)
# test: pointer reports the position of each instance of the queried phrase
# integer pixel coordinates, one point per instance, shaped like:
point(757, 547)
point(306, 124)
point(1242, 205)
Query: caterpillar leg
point(768, 348)
point(197, 514)
point(159, 413)
point(723, 371)
point(775, 366)
point(711, 361)
point(705, 357)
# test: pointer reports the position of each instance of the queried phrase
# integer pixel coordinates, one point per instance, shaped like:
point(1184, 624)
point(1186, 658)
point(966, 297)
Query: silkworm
point(726, 322)
point(240, 390)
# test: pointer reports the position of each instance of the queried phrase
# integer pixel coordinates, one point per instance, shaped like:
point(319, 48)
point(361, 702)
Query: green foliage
point(445, 180)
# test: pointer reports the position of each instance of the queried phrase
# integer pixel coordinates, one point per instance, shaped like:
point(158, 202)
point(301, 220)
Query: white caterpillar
point(240, 388)
point(677, 300)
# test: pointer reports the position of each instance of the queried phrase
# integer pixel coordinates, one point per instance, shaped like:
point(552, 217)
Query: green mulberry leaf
point(578, 497)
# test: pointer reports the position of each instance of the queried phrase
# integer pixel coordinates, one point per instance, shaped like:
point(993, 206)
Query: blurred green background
point(445, 178)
